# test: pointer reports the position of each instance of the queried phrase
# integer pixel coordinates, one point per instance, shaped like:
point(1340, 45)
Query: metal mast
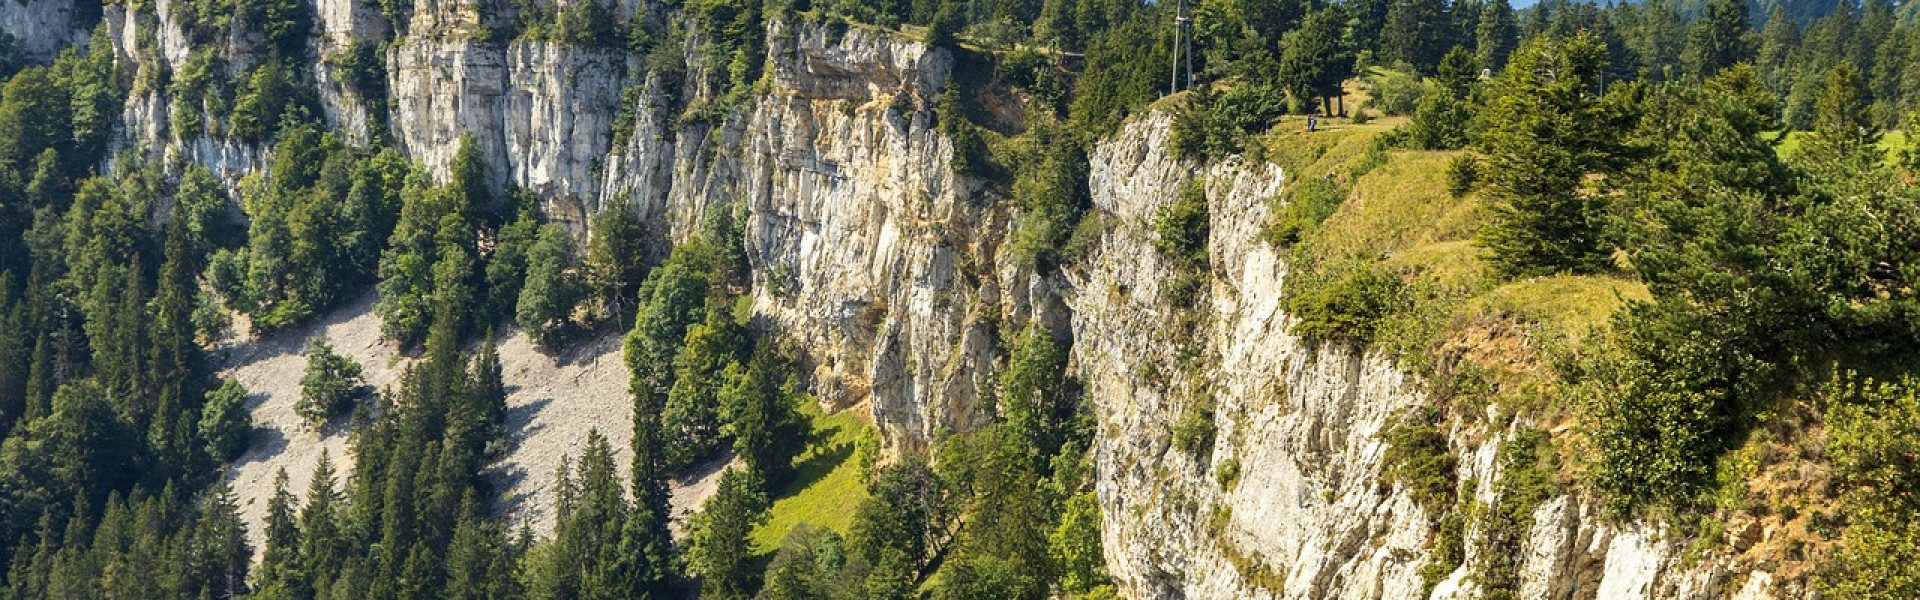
point(1182, 46)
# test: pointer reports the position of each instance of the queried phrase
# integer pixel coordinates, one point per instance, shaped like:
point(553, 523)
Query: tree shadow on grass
point(822, 457)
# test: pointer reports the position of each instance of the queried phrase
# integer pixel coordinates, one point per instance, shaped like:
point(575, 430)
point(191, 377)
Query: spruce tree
point(549, 295)
point(646, 544)
point(1315, 59)
point(718, 548)
point(1415, 33)
point(1719, 38)
point(280, 562)
point(1545, 133)
point(1494, 35)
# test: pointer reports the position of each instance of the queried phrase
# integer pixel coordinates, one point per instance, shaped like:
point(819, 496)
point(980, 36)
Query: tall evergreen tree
point(1545, 133)
point(1315, 58)
point(1844, 146)
point(718, 545)
point(547, 300)
point(1415, 33)
point(1495, 35)
point(1719, 38)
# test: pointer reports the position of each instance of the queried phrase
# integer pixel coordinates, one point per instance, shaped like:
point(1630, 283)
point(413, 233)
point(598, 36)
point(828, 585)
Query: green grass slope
point(827, 482)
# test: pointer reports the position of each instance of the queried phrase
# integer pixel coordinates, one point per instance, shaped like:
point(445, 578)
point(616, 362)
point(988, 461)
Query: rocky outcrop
point(40, 29)
point(1305, 512)
point(540, 115)
point(885, 266)
point(868, 250)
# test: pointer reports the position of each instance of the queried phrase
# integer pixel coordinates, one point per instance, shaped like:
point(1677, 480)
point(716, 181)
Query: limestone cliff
point(884, 263)
point(1308, 514)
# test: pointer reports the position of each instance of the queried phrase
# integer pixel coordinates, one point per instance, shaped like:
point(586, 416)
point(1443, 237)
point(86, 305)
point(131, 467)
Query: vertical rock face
point(868, 250)
point(1309, 514)
point(884, 265)
point(540, 115)
point(41, 28)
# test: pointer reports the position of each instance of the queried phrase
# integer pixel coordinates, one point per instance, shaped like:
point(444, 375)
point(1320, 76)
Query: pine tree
point(760, 415)
point(549, 295)
point(718, 546)
point(1844, 147)
point(1720, 38)
point(1545, 133)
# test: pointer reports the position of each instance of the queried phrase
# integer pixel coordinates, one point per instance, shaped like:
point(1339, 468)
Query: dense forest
point(1644, 140)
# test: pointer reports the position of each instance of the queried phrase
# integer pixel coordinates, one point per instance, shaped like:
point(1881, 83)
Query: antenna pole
point(1179, 30)
point(1187, 24)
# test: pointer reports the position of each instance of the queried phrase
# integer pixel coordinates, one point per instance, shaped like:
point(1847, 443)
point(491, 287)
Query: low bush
point(1463, 172)
point(331, 386)
point(1418, 457)
point(1343, 302)
point(1309, 203)
point(1195, 431)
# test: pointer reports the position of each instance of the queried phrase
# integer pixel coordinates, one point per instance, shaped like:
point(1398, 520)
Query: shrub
point(1874, 442)
point(1396, 92)
point(1418, 458)
point(1227, 474)
point(1308, 204)
point(1440, 121)
point(331, 386)
point(1195, 431)
point(1183, 227)
point(1345, 302)
point(1210, 128)
point(1449, 550)
point(1462, 173)
point(1525, 482)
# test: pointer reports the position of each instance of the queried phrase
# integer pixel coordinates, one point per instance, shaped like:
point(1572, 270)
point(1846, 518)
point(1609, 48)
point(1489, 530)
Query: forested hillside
point(961, 298)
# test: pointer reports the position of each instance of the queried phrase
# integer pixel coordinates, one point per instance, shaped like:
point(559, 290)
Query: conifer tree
point(691, 416)
point(280, 562)
point(760, 415)
point(323, 547)
point(549, 295)
point(1844, 146)
point(225, 423)
point(1494, 35)
point(1415, 33)
point(1719, 38)
point(718, 546)
point(1545, 133)
point(1315, 59)
point(616, 254)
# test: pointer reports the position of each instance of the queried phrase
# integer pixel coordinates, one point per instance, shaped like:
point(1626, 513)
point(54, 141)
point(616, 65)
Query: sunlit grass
point(826, 485)
point(1891, 142)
